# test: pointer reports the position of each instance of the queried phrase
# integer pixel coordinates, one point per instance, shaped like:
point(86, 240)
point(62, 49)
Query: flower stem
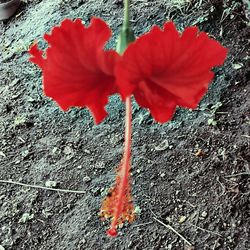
point(126, 14)
point(125, 168)
point(126, 35)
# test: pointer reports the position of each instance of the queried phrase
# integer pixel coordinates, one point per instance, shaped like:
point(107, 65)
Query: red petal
point(112, 232)
point(76, 69)
point(37, 55)
point(165, 69)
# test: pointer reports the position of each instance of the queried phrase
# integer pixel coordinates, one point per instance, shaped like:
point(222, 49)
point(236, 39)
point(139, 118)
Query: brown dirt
point(187, 173)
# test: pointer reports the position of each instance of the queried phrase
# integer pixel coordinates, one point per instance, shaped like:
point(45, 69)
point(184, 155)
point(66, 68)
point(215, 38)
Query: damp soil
point(191, 173)
point(4, 1)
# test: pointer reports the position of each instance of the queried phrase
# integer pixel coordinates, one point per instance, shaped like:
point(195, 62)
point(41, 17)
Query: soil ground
point(191, 173)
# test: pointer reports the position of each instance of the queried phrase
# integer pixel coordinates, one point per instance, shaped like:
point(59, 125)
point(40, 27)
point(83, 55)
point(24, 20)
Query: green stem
point(126, 14)
point(126, 35)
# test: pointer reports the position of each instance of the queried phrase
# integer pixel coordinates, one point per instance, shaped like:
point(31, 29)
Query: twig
point(42, 187)
point(202, 229)
point(238, 174)
point(223, 187)
point(247, 136)
point(172, 229)
point(247, 193)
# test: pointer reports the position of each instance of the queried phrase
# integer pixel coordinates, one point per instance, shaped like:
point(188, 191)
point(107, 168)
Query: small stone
point(68, 150)
point(2, 248)
point(86, 179)
point(162, 175)
point(50, 184)
point(212, 122)
point(162, 146)
point(168, 219)
point(25, 153)
point(26, 217)
point(169, 247)
point(83, 241)
point(68, 157)
point(100, 165)
point(19, 120)
point(54, 150)
point(3, 155)
point(30, 99)
point(137, 210)
point(86, 151)
point(7, 42)
point(204, 214)
point(182, 219)
point(237, 65)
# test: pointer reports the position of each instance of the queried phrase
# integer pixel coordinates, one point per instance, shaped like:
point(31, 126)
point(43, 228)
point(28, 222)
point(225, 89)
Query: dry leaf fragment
point(199, 153)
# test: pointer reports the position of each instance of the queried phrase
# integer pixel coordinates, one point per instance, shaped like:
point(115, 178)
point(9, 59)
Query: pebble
point(86, 151)
point(204, 214)
point(182, 219)
point(163, 175)
point(83, 241)
point(54, 150)
point(86, 179)
point(169, 247)
point(50, 184)
point(68, 150)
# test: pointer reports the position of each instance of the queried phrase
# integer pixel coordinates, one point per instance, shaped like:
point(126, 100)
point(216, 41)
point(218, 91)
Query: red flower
point(76, 69)
point(164, 69)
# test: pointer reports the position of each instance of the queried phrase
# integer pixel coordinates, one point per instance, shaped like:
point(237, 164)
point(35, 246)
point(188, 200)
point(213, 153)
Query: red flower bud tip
point(112, 232)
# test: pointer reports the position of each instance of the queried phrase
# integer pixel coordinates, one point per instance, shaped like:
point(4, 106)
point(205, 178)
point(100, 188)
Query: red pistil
point(118, 204)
